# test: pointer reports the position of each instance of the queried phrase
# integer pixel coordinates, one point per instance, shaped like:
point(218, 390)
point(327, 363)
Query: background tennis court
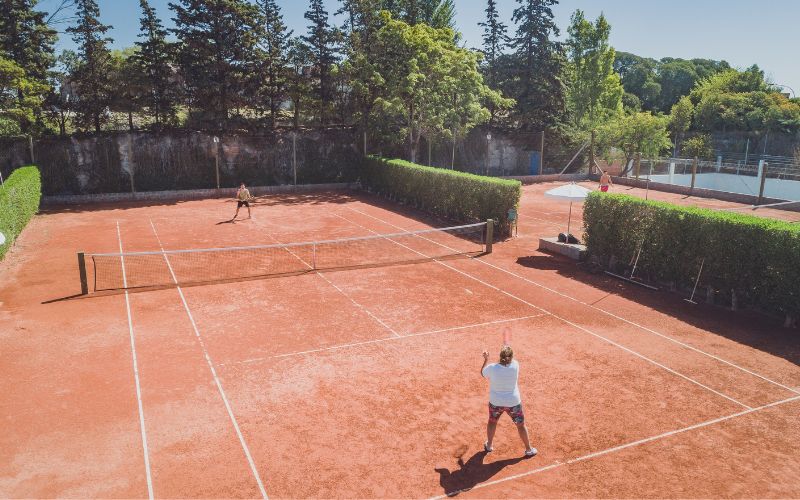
point(364, 382)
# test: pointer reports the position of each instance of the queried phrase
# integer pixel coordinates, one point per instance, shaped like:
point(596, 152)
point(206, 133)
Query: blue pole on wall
point(536, 163)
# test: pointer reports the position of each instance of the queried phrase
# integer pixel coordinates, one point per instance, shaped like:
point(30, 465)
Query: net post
point(489, 235)
point(82, 272)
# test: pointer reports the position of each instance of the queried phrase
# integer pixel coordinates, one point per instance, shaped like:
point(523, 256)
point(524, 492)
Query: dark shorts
point(604, 189)
point(515, 412)
point(240, 203)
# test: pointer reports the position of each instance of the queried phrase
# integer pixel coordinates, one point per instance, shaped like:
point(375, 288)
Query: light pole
point(488, 146)
point(786, 87)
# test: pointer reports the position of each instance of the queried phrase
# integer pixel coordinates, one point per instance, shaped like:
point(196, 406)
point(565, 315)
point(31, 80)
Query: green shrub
point(757, 260)
point(19, 200)
point(447, 193)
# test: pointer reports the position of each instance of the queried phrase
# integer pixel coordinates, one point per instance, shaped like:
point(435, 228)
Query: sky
point(741, 32)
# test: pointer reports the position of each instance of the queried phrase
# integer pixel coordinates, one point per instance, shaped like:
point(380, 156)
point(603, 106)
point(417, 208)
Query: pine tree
point(434, 13)
point(495, 39)
point(275, 46)
point(154, 61)
point(362, 24)
point(217, 40)
point(25, 37)
point(321, 39)
point(298, 83)
point(92, 77)
point(27, 41)
point(539, 88)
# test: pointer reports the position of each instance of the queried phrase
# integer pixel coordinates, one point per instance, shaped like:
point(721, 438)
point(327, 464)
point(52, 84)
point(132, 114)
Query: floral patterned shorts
point(515, 412)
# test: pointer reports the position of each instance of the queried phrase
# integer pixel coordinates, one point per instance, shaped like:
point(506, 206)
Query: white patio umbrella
point(571, 193)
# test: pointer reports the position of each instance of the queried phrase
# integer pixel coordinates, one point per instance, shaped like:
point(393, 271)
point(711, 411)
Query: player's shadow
point(471, 473)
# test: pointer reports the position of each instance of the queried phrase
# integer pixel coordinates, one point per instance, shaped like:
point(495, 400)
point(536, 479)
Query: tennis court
point(352, 370)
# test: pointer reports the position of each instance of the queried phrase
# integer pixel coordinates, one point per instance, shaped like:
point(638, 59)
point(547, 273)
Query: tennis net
point(116, 271)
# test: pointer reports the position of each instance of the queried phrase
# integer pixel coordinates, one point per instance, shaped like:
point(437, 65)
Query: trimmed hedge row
point(447, 193)
point(19, 201)
point(749, 261)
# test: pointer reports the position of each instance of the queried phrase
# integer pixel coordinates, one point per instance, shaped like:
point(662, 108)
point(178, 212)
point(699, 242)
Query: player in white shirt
point(504, 397)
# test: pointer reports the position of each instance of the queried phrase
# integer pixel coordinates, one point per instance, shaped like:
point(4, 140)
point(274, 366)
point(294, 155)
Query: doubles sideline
point(245, 448)
point(621, 447)
point(136, 372)
point(608, 313)
point(564, 320)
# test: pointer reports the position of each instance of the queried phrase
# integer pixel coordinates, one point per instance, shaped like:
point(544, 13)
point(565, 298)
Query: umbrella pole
point(569, 219)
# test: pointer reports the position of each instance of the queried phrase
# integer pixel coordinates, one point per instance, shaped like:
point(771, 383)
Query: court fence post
point(763, 183)
point(82, 271)
point(489, 235)
point(694, 172)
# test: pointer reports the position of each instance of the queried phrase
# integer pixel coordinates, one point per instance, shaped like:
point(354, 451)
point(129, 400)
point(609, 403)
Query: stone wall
point(127, 162)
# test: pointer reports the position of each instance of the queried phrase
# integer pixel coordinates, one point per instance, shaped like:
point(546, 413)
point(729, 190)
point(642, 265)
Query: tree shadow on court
point(471, 473)
point(745, 327)
point(310, 198)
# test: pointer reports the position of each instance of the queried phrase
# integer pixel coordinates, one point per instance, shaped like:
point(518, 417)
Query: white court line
point(631, 351)
point(213, 371)
point(136, 372)
point(622, 446)
point(608, 313)
point(363, 308)
point(376, 341)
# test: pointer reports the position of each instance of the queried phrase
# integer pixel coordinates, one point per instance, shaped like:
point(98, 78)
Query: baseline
point(631, 444)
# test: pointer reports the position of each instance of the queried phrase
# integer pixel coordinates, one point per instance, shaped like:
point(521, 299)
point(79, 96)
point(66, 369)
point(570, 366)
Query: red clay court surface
point(364, 382)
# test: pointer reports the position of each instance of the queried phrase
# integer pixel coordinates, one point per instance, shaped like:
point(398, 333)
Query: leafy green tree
point(27, 41)
point(92, 77)
point(643, 133)
point(538, 84)
point(274, 43)
point(677, 78)
point(153, 66)
point(680, 119)
point(321, 41)
point(433, 88)
point(744, 101)
point(216, 53)
point(128, 90)
point(699, 146)
point(638, 78)
point(15, 111)
point(660, 84)
point(595, 89)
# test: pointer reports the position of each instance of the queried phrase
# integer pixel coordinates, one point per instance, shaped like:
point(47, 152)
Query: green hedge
point(447, 193)
point(19, 200)
point(753, 259)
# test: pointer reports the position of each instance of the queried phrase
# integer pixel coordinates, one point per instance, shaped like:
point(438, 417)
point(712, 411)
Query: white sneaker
point(487, 448)
point(531, 453)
